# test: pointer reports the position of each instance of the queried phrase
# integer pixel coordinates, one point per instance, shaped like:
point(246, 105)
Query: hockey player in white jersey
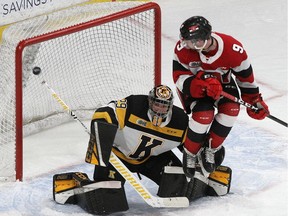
point(149, 127)
point(146, 130)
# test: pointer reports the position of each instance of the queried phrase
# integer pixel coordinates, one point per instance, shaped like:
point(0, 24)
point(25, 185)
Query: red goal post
point(114, 51)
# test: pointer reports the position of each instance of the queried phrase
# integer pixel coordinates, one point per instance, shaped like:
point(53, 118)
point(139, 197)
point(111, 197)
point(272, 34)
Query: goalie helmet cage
point(90, 54)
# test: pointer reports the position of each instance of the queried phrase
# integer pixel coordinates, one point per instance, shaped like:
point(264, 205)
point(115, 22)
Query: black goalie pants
point(151, 168)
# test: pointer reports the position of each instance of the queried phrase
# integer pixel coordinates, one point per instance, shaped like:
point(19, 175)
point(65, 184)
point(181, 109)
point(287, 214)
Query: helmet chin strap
point(199, 49)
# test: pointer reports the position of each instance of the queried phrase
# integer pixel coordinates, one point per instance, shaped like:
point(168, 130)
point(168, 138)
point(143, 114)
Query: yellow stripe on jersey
point(102, 115)
point(147, 124)
point(184, 137)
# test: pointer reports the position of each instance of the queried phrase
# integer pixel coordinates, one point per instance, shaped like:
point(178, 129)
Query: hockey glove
point(257, 101)
point(205, 84)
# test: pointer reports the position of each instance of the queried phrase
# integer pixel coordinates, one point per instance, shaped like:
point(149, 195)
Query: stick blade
point(169, 202)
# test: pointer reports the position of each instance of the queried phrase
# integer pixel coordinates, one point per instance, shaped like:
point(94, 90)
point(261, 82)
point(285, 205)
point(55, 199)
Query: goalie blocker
point(100, 198)
point(175, 183)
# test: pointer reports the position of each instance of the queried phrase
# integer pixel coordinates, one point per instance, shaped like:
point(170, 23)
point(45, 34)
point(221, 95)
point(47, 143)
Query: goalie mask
point(160, 101)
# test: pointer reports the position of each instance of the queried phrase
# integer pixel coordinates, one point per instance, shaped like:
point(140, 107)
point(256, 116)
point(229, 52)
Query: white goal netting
point(89, 54)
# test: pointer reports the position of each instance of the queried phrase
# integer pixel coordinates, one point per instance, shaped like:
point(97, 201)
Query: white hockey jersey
point(137, 138)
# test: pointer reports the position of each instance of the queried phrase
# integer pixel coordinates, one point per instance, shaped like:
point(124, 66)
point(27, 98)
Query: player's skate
point(189, 163)
point(208, 159)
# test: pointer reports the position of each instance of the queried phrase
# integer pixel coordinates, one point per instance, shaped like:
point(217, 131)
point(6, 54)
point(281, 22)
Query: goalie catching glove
point(94, 197)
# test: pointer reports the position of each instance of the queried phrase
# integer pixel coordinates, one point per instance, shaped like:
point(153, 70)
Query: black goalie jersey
point(137, 138)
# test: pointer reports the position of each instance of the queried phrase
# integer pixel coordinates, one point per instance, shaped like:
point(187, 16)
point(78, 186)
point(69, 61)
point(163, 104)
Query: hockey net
point(89, 54)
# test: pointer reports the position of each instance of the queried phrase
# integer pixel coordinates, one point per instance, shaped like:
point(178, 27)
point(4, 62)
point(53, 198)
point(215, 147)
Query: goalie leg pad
point(173, 182)
point(104, 200)
point(220, 181)
point(217, 184)
point(197, 187)
point(102, 197)
point(63, 185)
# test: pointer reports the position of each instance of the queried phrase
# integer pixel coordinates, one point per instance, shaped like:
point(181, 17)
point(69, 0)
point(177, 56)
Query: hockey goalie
point(142, 131)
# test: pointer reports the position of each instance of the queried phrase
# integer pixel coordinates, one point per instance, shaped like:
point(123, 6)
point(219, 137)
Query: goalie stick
point(240, 101)
point(172, 202)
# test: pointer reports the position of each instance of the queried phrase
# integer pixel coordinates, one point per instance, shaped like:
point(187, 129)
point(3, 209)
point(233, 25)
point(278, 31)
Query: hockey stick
point(240, 101)
point(173, 202)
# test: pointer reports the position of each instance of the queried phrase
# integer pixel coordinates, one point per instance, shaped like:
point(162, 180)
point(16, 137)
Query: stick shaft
point(240, 101)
